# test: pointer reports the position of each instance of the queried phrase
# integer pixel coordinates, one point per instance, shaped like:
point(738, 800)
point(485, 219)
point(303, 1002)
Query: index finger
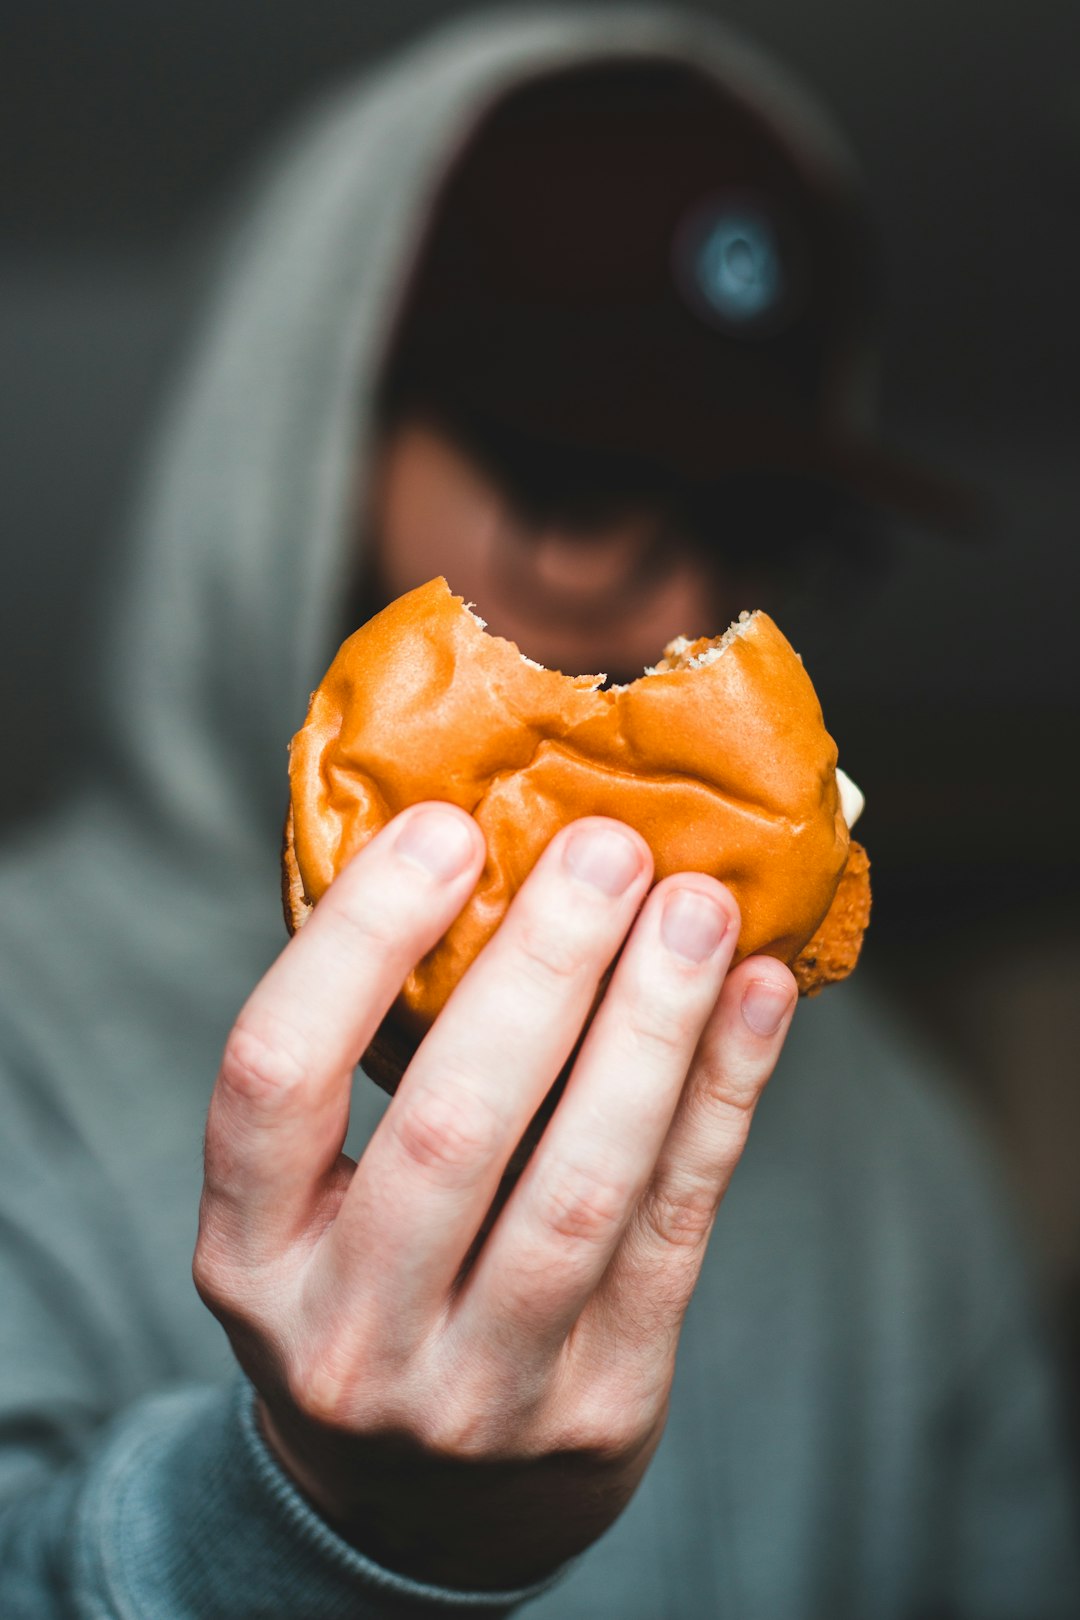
point(280, 1107)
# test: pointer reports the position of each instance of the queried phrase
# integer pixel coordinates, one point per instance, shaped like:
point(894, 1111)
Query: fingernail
point(437, 842)
point(764, 1007)
point(604, 859)
point(692, 925)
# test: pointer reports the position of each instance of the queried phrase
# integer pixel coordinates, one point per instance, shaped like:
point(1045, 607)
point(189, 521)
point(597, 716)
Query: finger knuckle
point(214, 1266)
point(549, 955)
point(259, 1071)
point(728, 1093)
point(459, 1431)
point(226, 1289)
point(210, 1277)
point(365, 930)
point(681, 1217)
point(607, 1424)
point(581, 1205)
point(322, 1397)
point(655, 1028)
point(448, 1129)
point(321, 1383)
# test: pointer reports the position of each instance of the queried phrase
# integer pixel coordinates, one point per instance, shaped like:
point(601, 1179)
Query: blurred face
point(584, 602)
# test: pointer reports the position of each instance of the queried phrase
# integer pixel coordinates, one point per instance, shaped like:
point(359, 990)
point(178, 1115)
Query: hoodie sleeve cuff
point(190, 1516)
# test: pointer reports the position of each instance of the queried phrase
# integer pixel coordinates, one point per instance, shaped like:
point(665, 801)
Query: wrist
point(308, 1478)
point(408, 1514)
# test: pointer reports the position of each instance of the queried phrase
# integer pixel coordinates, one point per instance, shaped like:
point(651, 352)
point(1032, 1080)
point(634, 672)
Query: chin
point(581, 641)
point(593, 653)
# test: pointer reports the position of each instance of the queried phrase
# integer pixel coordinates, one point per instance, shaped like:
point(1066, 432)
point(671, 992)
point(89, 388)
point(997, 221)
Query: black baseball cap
point(634, 267)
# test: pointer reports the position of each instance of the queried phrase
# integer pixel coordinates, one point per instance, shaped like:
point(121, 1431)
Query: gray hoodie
point(862, 1422)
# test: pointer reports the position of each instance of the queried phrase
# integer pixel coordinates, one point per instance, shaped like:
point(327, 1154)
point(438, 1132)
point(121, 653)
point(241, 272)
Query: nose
point(585, 568)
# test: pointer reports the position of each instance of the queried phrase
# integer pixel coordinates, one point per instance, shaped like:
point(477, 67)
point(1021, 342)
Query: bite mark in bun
point(718, 756)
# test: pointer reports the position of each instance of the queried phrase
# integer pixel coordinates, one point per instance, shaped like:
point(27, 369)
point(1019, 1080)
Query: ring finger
point(657, 1265)
point(554, 1240)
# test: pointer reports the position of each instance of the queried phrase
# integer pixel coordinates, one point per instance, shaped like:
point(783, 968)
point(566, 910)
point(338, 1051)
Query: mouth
point(580, 579)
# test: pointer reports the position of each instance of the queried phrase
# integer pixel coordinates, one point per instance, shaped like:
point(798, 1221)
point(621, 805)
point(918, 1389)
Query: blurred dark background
point(956, 694)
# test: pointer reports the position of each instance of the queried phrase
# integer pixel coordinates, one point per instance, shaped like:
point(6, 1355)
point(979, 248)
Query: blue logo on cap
point(730, 266)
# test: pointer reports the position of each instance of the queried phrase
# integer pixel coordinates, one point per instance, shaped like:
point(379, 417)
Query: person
point(606, 381)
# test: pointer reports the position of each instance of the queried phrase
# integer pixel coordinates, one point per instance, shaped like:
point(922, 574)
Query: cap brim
point(738, 443)
point(863, 468)
point(885, 479)
point(741, 443)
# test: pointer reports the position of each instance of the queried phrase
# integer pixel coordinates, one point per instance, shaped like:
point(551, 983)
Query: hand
point(476, 1424)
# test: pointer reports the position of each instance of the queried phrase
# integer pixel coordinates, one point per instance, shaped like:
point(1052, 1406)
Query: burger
point(717, 755)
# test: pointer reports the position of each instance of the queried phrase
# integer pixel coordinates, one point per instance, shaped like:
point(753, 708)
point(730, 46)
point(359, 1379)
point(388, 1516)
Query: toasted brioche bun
point(719, 758)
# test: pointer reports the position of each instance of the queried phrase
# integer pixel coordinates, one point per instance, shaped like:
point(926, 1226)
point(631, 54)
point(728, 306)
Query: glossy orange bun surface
point(723, 768)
